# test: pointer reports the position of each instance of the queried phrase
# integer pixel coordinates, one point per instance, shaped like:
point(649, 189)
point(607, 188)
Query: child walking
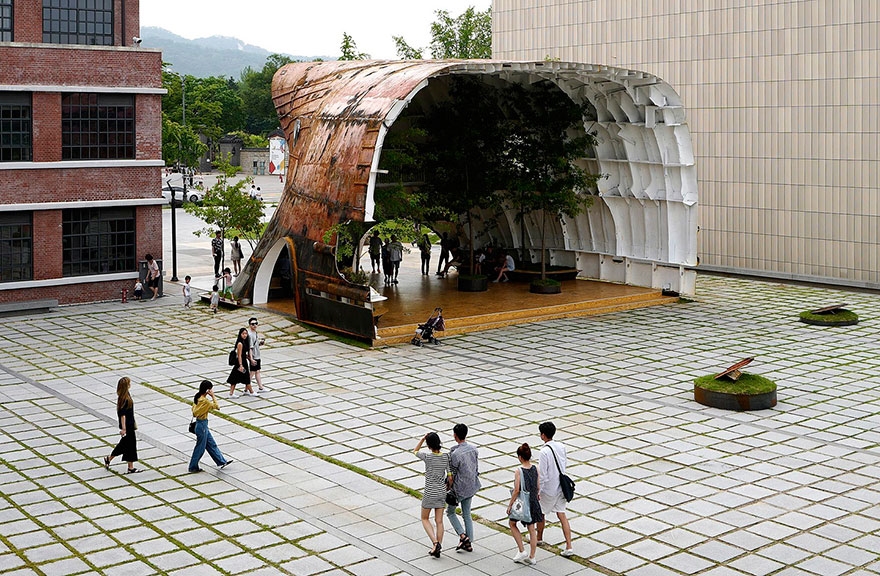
point(215, 298)
point(187, 292)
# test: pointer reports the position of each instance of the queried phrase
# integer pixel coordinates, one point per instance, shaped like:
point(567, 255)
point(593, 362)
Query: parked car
point(193, 195)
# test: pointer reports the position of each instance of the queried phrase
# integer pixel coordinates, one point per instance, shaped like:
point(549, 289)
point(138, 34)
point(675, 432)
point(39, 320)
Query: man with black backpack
point(551, 471)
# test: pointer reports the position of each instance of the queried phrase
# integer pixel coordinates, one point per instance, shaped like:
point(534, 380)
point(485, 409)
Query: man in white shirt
point(255, 341)
point(551, 498)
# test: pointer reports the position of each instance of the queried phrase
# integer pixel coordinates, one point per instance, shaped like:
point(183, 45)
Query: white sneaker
point(521, 557)
point(250, 393)
point(529, 561)
point(568, 552)
point(233, 396)
point(263, 389)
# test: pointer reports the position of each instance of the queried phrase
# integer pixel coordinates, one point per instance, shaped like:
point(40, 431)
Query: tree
point(460, 151)
point(468, 35)
point(349, 49)
point(255, 90)
point(228, 206)
point(181, 146)
point(543, 139)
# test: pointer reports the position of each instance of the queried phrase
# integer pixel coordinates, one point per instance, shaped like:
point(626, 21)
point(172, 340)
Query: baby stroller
point(425, 332)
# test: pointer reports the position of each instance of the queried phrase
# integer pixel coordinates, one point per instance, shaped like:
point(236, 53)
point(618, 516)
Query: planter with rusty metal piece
point(750, 392)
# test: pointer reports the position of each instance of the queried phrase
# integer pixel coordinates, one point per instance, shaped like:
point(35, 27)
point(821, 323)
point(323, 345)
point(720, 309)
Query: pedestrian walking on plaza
point(203, 402)
point(434, 496)
point(236, 254)
point(387, 268)
point(255, 341)
point(395, 254)
point(240, 373)
point(464, 481)
point(217, 252)
point(425, 252)
point(375, 251)
point(551, 464)
point(127, 446)
point(444, 252)
point(526, 479)
point(152, 275)
point(187, 292)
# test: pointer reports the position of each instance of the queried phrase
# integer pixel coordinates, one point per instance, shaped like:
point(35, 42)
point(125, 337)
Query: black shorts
point(153, 283)
point(255, 365)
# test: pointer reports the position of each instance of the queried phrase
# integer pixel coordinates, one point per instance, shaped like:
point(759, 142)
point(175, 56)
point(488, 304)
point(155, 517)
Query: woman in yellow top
point(203, 403)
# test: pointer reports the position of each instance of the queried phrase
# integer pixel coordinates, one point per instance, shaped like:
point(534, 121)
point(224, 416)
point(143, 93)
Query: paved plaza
point(323, 477)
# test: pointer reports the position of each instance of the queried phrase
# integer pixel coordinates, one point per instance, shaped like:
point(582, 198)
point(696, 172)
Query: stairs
point(462, 325)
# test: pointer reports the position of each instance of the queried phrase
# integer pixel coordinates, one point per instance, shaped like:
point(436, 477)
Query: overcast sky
point(306, 27)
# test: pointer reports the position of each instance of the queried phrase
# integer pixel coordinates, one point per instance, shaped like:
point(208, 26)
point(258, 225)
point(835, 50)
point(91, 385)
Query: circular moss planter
point(840, 317)
point(547, 286)
point(749, 392)
point(472, 283)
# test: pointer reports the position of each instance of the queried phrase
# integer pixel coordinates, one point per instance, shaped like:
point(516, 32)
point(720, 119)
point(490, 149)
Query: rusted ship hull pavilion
point(640, 230)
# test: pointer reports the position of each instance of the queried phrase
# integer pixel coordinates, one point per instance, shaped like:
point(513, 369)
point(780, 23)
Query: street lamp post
point(174, 277)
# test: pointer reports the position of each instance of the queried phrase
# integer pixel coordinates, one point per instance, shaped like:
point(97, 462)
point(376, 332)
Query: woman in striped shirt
point(434, 496)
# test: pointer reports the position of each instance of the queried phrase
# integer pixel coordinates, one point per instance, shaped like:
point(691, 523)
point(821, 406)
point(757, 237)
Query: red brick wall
point(47, 244)
point(71, 294)
point(50, 65)
point(148, 130)
point(27, 25)
point(66, 184)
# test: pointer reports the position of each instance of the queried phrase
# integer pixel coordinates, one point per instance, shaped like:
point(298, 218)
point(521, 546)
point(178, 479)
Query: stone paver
point(665, 486)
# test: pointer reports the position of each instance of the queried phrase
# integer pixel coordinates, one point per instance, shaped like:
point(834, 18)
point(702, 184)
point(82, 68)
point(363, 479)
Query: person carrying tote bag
point(525, 481)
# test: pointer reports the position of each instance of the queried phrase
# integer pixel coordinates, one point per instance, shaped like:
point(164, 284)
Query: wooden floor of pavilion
point(412, 300)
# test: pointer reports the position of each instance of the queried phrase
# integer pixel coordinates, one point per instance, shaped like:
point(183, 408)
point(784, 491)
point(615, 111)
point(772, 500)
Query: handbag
point(520, 511)
point(233, 358)
point(566, 483)
point(192, 426)
point(451, 498)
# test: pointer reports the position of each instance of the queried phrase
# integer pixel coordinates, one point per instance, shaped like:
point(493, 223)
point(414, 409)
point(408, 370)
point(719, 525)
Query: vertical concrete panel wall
point(782, 106)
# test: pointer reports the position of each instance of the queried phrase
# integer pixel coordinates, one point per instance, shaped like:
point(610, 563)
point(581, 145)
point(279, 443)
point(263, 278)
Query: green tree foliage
point(349, 49)
point(461, 152)
point(468, 35)
point(543, 139)
point(228, 206)
point(181, 146)
point(255, 90)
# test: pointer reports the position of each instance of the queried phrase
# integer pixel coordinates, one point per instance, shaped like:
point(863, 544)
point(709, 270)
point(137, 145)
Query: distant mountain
point(214, 56)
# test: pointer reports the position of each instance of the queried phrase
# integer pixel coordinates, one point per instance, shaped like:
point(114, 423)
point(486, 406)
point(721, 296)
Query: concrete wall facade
point(783, 108)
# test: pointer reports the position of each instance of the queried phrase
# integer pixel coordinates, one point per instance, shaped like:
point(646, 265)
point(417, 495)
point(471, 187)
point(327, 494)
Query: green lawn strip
point(143, 522)
point(749, 384)
point(367, 474)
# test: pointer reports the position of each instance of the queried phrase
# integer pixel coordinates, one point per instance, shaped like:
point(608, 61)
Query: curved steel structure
point(640, 230)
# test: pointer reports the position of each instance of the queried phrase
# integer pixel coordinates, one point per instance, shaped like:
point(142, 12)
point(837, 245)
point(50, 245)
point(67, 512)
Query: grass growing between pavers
point(179, 514)
point(367, 474)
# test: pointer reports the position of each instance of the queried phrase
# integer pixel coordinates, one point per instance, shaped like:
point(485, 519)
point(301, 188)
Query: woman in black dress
point(240, 373)
point(127, 446)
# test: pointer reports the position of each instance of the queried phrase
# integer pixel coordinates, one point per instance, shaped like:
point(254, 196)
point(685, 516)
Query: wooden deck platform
point(412, 300)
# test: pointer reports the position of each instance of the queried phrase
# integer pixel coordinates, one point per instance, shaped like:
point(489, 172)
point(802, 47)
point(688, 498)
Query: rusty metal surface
point(332, 114)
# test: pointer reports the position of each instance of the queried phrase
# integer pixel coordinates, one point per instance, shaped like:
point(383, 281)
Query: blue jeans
point(204, 441)
point(466, 514)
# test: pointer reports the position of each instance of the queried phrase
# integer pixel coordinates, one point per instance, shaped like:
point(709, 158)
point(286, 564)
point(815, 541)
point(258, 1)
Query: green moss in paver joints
point(141, 520)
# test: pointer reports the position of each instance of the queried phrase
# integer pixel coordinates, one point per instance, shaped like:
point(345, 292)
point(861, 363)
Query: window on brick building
point(5, 20)
point(97, 241)
point(87, 22)
point(16, 246)
point(97, 126)
point(15, 126)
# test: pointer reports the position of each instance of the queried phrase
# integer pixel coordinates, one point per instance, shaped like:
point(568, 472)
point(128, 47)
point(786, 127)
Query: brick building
point(80, 149)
